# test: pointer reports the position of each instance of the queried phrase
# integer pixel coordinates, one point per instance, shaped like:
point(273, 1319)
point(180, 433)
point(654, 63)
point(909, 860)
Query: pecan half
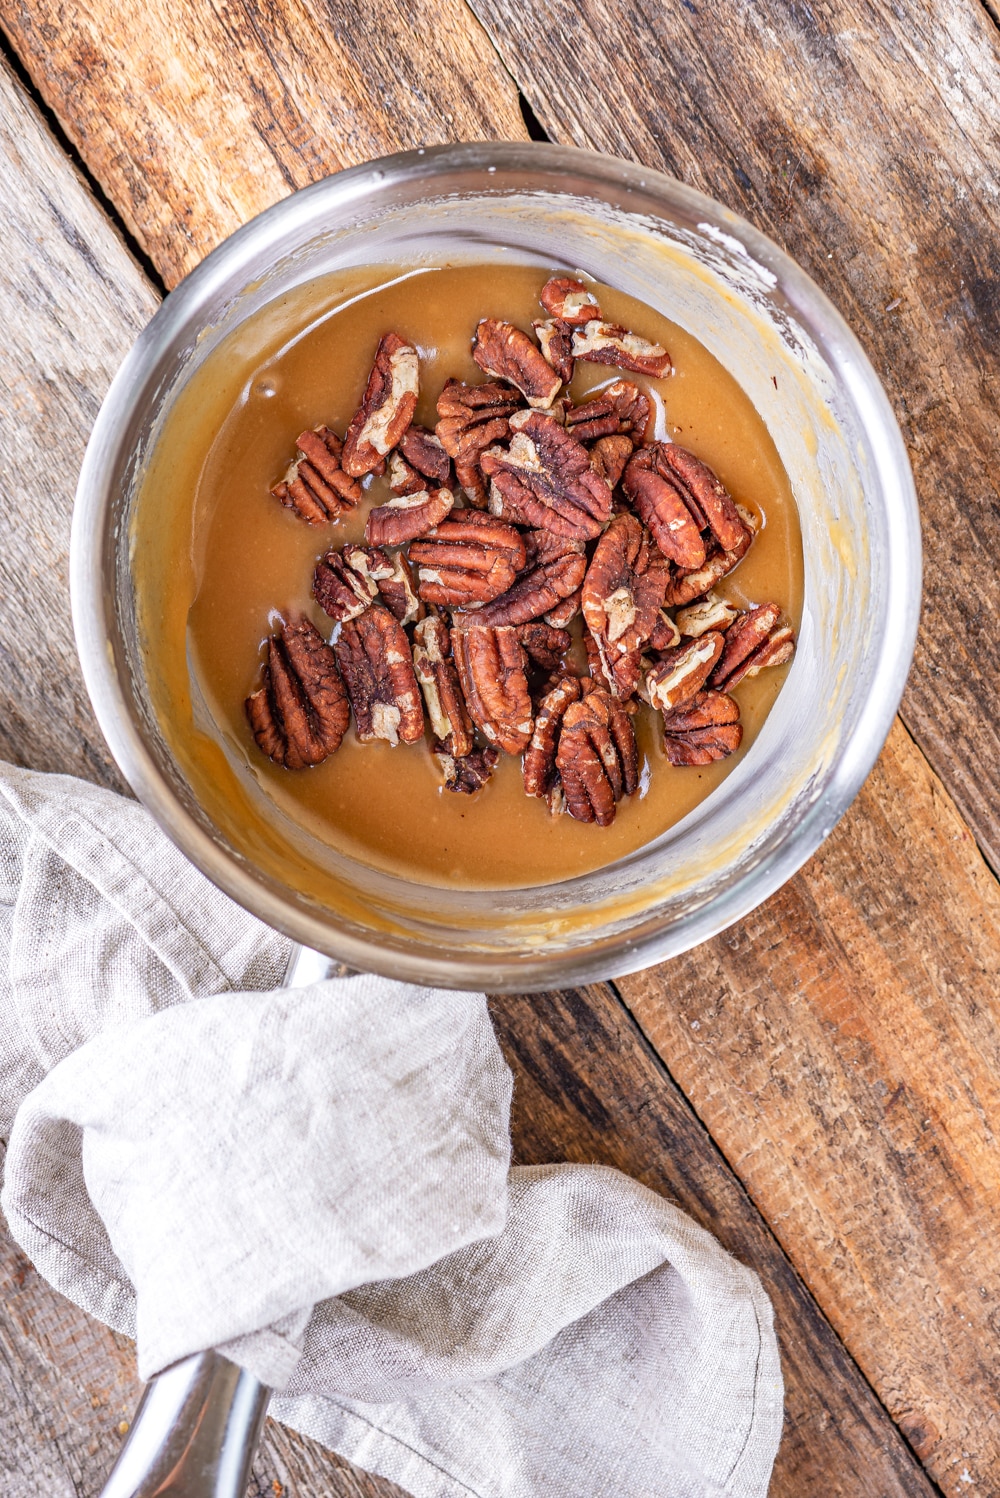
point(609, 457)
point(679, 675)
point(347, 581)
point(386, 409)
point(470, 773)
point(707, 729)
point(570, 300)
point(407, 516)
point(491, 670)
point(424, 451)
point(659, 504)
point(300, 714)
point(543, 644)
point(473, 418)
point(396, 590)
point(757, 639)
point(685, 586)
point(545, 477)
point(449, 720)
point(506, 353)
point(539, 766)
point(597, 757)
point(605, 343)
point(555, 339)
point(374, 658)
point(315, 486)
point(467, 560)
point(709, 612)
point(622, 597)
point(620, 409)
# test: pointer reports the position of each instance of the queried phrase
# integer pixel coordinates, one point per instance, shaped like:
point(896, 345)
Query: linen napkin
point(317, 1182)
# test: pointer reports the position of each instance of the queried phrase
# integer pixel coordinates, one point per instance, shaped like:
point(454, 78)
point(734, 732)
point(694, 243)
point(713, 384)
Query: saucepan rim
point(617, 953)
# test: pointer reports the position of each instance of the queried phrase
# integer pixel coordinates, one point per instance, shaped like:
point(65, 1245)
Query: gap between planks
point(658, 1061)
point(10, 55)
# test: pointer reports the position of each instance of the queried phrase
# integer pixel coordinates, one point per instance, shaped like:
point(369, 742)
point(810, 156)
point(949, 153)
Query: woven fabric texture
point(317, 1181)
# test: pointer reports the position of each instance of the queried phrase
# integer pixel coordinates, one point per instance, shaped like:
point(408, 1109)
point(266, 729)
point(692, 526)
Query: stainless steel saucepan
point(766, 322)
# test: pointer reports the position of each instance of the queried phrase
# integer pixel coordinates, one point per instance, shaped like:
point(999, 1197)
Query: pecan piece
point(449, 720)
point(707, 729)
point(424, 451)
point(605, 343)
point(316, 486)
point(473, 418)
point(622, 597)
point(685, 586)
point(346, 582)
point(597, 757)
point(609, 458)
point(535, 592)
point(664, 634)
point(679, 675)
point(506, 353)
point(757, 639)
point(543, 644)
point(555, 339)
point(491, 670)
point(709, 612)
point(570, 300)
point(407, 516)
point(546, 479)
point(470, 773)
point(300, 714)
point(620, 409)
point(396, 589)
point(374, 658)
point(386, 409)
point(540, 774)
point(565, 612)
point(467, 560)
point(545, 546)
point(402, 478)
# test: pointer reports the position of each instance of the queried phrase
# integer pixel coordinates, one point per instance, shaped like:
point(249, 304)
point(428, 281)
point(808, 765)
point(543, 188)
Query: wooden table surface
point(820, 1085)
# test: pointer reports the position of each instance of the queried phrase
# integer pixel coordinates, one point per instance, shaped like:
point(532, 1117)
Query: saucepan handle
point(198, 1423)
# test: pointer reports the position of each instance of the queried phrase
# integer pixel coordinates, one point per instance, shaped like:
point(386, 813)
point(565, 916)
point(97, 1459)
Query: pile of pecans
point(567, 511)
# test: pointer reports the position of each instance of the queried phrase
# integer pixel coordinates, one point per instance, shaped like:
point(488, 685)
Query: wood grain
point(199, 121)
point(841, 1046)
point(587, 1088)
point(165, 161)
point(865, 138)
point(71, 303)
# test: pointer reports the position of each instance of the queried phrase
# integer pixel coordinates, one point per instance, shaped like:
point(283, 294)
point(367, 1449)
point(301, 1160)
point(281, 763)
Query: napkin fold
point(317, 1181)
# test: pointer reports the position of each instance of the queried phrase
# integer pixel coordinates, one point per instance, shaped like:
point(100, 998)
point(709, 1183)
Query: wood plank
point(841, 1046)
point(71, 302)
point(587, 1088)
point(865, 138)
point(196, 123)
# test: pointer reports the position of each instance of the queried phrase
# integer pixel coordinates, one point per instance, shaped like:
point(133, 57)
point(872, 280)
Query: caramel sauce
point(218, 561)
